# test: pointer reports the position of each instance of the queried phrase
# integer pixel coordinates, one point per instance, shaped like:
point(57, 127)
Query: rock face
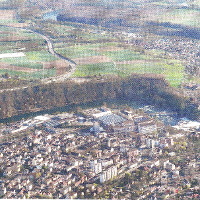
point(144, 88)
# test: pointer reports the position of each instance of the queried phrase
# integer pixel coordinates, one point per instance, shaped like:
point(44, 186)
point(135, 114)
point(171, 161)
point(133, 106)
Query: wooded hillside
point(145, 88)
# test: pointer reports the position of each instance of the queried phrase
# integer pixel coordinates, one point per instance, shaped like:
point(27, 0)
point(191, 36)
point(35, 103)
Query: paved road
point(69, 63)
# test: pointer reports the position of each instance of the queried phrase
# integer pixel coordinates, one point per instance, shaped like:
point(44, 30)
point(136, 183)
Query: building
point(147, 127)
point(168, 165)
point(116, 123)
point(96, 166)
point(108, 174)
point(2, 191)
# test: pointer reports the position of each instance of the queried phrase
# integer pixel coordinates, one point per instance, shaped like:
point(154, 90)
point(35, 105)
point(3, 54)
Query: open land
point(99, 50)
point(35, 61)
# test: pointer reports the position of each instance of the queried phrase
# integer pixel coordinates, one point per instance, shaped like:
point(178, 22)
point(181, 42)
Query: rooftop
point(111, 119)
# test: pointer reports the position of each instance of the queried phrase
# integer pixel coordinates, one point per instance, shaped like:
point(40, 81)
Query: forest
point(151, 89)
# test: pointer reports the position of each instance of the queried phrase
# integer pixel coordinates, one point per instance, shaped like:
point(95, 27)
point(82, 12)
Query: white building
point(108, 174)
point(96, 166)
point(2, 191)
point(150, 143)
point(168, 165)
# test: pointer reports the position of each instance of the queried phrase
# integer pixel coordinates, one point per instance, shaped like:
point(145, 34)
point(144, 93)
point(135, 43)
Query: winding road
point(69, 63)
point(51, 50)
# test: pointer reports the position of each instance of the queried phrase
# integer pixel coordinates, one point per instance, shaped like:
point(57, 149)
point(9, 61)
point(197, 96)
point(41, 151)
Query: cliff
point(145, 88)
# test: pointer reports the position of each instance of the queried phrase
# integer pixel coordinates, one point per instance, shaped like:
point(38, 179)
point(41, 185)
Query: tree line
point(151, 89)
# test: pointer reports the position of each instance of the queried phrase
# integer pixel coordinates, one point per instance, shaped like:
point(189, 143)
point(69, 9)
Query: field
point(186, 17)
point(111, 58)
point(37, 62)
point(95, 52)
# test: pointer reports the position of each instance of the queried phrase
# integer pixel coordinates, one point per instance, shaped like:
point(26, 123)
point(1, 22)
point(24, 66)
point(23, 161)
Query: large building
point(147, 127)
point(116, 123)
point(108, 174)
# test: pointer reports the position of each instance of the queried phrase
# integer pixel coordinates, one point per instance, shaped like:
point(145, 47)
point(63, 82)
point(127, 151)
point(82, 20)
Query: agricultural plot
point(172, 70)
point(187, 17)
point(35, 61)
point(112, 59)
point(95, 69)
point(94, 53)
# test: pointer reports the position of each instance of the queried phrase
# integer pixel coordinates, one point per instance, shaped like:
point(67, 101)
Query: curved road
point(51, 50)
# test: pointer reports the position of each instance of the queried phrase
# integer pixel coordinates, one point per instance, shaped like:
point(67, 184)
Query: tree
point(6, 75)
point(194, 182)
point(127, 178)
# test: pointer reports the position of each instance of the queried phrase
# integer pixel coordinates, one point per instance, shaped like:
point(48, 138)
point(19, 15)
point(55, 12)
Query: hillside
point(143, 88)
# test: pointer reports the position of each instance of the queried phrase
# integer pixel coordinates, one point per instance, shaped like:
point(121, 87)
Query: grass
point(43, 74)
point(22, 62)
point(32, 60)
point(149, 62)
point(14, 73)
point(40, 56)
point(186, 17)
point(7, 21)
point(76, 52)
point(196, 2)
point(95, 69)
point(35, 75)
point(124, 55)
point(171, 69)
point(29, 35)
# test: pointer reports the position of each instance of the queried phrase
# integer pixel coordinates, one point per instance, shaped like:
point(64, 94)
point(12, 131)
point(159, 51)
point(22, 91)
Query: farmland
point(36, 56)
point(97, 50)
point(114, 58)
point(187, 17)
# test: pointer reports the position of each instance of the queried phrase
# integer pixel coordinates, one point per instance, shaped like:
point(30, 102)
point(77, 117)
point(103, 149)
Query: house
point(168, 165)
point(96, 129)
point(126, 126)
point(96, 166)
point(2, 191)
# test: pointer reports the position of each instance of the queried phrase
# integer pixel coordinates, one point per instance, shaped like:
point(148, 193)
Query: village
point(98, 153)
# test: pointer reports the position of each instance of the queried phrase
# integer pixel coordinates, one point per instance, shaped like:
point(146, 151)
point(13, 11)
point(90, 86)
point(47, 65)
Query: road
point(51, 50)
point(69, 63)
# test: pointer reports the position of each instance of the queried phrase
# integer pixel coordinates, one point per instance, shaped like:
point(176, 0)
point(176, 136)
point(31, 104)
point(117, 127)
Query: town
point(112, 153)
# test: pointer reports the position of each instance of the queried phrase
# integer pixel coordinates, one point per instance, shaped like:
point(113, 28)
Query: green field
point(121, 59)
point(40, 56)
point(124, 55)
point(34, 48)
point(188, 17)
point(95, 69)
point(35, 75)
point(76, 52)
point(173, 71)
point(147, 62)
